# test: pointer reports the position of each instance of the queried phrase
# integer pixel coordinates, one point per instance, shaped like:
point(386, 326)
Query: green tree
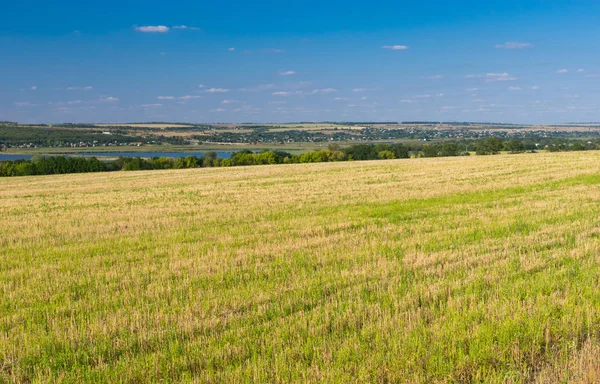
point(449, 149)
point(514, 146)
point(386, 154)
point(430, 150)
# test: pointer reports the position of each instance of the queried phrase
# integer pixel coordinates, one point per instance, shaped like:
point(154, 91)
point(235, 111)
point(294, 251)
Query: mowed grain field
point(477, 269)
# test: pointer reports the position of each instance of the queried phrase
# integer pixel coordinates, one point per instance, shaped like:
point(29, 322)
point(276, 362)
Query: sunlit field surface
point(471, 269)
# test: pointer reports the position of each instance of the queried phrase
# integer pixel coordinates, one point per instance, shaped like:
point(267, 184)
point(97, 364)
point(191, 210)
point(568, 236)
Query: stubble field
point(477, 269)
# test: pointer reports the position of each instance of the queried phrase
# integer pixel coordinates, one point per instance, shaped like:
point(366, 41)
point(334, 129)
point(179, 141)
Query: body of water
point(223, 155)
point(14, 157)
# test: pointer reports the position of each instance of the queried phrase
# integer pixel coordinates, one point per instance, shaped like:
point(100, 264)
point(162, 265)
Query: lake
point(223, 155)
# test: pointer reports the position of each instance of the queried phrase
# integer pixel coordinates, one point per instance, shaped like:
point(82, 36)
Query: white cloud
point(86, 88)
point(423, 96)
point(185, 27)
point(151, 105)
point(165, 97)
point(407, 101)
point(535, 88)
point(562, 71)
point(287, 73)
point(189, 97)
point(490, 77)
point(581, 70)
point(109, 99)
point(395, 47)
point(514, 45)
point(273, 50)
point(74, 102)
point(362, 89)
point(340, 98)
point(201, 86)
point(152, 28)
point(217, 90)
point(475, 110)
point(220, 110)
point(280, 93)
point(324, 90)
point(364, 98)
point(435, 77)
point(33, 87)
point(472, 89)
point(514, 88)
point(231, 49)
point(227, 101)
point(24, 104)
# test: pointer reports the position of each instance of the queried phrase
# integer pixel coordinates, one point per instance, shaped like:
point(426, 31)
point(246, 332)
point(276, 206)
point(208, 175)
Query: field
point(141, 125)
point(466, 269)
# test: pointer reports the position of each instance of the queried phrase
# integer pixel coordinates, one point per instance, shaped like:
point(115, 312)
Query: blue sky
point(198, 61)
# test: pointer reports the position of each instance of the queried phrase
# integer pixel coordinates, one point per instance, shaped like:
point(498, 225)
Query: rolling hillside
point(425, 270)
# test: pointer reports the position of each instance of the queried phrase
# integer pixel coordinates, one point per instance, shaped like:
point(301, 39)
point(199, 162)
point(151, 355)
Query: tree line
point(40, 165)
